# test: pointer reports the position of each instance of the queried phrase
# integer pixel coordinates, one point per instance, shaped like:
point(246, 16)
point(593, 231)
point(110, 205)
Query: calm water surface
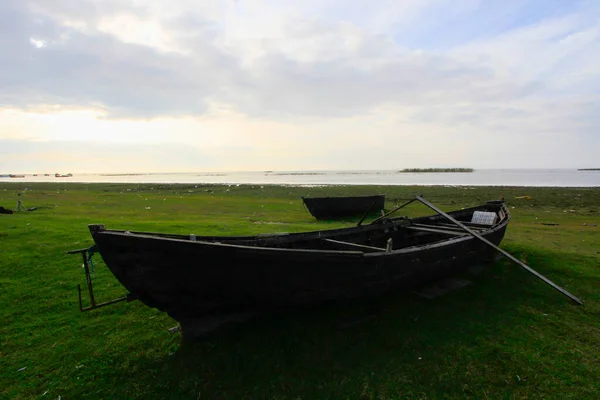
point(482, 177)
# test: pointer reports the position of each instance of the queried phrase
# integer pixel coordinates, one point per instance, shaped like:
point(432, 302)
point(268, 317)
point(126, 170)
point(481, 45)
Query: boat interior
point(386, 235)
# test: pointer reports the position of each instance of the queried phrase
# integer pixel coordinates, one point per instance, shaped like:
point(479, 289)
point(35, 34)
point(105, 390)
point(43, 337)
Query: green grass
point(506, 336)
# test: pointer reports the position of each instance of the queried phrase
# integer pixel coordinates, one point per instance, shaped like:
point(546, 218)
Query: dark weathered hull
point(211, 276)
point(342, 207)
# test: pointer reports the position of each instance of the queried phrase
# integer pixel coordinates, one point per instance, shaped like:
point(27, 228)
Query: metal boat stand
point(86, 255)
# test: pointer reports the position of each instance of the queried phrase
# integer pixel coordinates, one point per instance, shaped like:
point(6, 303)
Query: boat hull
point(342, 207)
point(193, 279)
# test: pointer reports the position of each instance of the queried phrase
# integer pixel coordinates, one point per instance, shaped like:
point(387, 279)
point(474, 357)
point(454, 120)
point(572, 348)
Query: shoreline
point(495, 178)
point(295, 185)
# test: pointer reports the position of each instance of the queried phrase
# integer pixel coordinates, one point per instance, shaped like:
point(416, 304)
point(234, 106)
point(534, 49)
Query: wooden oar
point(365, 214)
point(393, 211)
point(504, 253)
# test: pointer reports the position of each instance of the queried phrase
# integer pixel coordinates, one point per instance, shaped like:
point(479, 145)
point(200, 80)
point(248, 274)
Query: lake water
point(481, 177)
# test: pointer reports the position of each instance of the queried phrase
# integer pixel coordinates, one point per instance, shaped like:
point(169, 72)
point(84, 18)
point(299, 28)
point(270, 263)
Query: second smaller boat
point(342, 207)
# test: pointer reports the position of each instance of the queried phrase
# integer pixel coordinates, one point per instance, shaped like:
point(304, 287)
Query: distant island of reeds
point(588, 169)
point(437, 170)
point(294, 173)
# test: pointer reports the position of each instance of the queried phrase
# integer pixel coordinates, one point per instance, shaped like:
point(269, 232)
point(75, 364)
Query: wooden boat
point(195, 277)
point(17, 176)
point(341, 207)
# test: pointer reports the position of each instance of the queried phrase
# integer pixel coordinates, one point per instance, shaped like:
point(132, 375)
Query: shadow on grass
point(412, 347)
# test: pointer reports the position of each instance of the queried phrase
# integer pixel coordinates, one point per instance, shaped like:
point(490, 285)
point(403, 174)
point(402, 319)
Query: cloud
point(268, 75)
point(116, 55)
point(87, 68)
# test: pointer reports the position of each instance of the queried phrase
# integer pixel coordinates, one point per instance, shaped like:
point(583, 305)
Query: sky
point(190, 85)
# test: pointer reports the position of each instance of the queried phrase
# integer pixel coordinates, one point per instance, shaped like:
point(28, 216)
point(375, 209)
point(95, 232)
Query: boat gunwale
point(260, 249)
point(344, 197)
point(394, 221)
point(228, 245)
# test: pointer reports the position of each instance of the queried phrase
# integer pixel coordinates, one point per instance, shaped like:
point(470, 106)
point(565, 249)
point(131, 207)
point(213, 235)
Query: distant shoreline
point(449, 177)
point(294, 173)
point(588, 169)
point(121, 174)
point(435, 170)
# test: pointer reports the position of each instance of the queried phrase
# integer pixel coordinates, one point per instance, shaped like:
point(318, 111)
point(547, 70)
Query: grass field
point(505, 336)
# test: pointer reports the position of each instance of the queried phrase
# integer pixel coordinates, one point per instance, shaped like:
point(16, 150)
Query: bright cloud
point(264, 84)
